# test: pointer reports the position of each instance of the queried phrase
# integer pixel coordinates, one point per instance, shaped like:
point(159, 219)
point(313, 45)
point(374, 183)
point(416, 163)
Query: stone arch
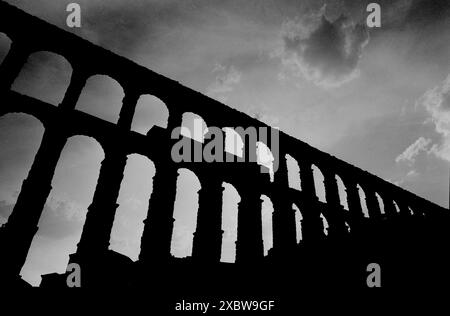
point(342, 192)
point(63, 217)
point(397, 208)
point(298, 222)
point(325, 224)
point(267, 227)
point(44, 76)
point(193, 126)
point(233, 142)
point(362, 197)
point(5, 45)
point(347, 225)
point(149, 111)
point(249, 137)
point(380, 203)
point(293, 173)
point(265, 158)
point(20, 139)
point(133, 200)
point(101, 97)
point(319, 183)
point(185, 213)
point(230, 202)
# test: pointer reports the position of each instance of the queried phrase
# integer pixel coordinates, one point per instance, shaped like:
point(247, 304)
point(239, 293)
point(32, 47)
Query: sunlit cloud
point(59, 218)
point(437, 103)
point(409, 154)
point(226, 80)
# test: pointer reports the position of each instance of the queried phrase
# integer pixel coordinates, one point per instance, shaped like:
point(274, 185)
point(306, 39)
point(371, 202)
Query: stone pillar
point(404, 209)
point(18, 233)
point(73, 92)
point(156, 240)
point(175, 117)
point(389, 207)
point(157, 235)
point(312, 225)
point(307, 178)
point(101, 213)
point(207, 243)
point(283, 218)
point(249, 244)
point(353, 201)
point(127, 111)
point(420, 206)
point(373, 207)
point(100, 217)
point(335, 218)
point(12, 65)
point(22, 224)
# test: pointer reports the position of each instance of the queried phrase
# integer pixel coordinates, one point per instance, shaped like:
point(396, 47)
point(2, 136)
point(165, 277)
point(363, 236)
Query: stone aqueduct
point(118, 142)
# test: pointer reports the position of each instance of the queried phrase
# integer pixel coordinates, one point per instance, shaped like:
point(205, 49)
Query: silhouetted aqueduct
point(410, 229)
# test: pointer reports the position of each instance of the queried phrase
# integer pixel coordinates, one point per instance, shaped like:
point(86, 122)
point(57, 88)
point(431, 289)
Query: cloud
point(412, 173)
point(410, 153)
point(436, 101)
point(226, 80)
point(5, 44)
point(323, 51)
point(269, 119)
point(182, 241)
point(5, 211)
point(120, 26)
point(59, 219)
point(264, 113)
point(427, 12)
point(128, 227)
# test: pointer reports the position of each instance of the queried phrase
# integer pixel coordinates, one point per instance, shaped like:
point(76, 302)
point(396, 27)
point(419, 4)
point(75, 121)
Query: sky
point(378, 98)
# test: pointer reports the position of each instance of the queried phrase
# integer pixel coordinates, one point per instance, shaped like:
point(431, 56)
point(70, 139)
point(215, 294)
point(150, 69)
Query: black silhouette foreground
point(408, 240)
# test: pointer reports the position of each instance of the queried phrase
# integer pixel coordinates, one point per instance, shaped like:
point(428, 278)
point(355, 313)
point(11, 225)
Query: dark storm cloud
point(427, 12)
point(325, 46)
point(427, 23)
point(57, 221)
point(327, 52)
point(119, 27)
point(334, 48)
point(399, 14)
point(123, 26)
